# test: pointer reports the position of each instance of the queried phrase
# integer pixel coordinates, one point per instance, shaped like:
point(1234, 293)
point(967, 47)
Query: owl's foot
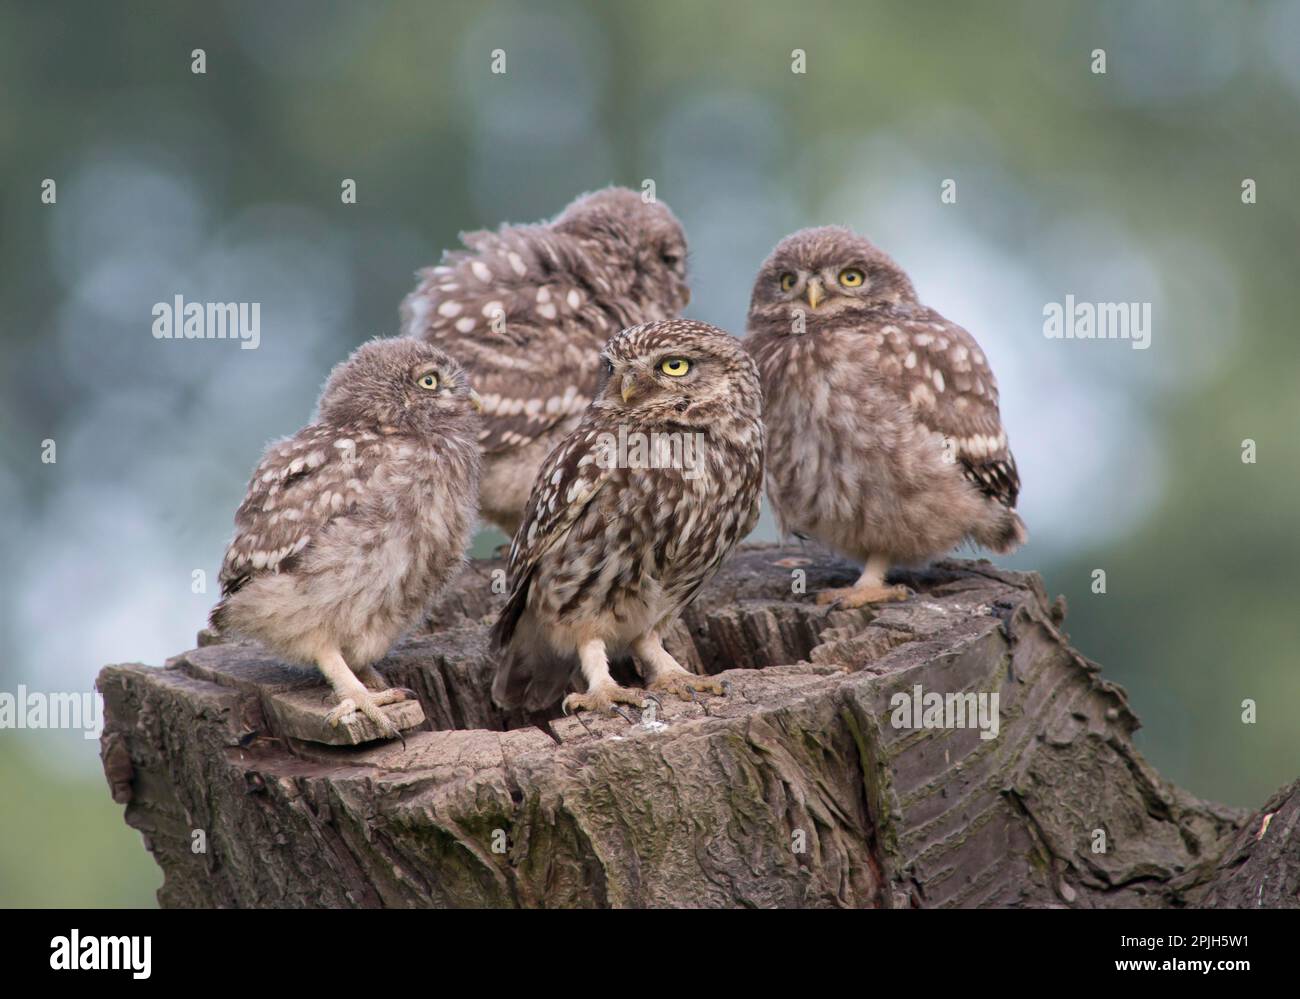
point(684, 684)
point(391, 695)
point(862, 596)
point(370, 703)
point(603, 698)
point(375, 681)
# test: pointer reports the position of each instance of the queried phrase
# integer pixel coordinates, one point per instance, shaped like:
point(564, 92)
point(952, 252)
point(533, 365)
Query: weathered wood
point(1261, 867)
point(797, 789)
point(296, 700)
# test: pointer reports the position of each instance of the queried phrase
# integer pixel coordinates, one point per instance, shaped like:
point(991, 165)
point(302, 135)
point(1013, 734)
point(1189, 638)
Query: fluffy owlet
point(527, 309)
point(632, 513)
point(885, 441)
point(351, 526)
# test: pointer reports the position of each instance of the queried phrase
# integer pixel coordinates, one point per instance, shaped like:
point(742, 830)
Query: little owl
point(632, 513)
point(351, 526)
point(527, 309)
point(885, 441)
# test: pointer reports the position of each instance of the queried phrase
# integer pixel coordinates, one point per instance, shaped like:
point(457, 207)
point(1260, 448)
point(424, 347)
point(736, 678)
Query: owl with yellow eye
point(351, 527)
point(616, 540)
point(884, 435)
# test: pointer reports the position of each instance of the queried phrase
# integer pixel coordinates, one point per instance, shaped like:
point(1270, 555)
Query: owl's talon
point(350, 708)
point(603, 698)
point(852, 597)
point(684, 684)
point(704, 705)
point(343, 710)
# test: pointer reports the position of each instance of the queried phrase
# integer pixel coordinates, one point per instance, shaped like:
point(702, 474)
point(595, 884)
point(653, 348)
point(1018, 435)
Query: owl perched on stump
point(632, 513)
point(527, 309)
point(351, 526)
point(884, 439)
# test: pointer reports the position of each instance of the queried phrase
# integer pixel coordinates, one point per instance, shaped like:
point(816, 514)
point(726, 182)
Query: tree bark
point(802, 787)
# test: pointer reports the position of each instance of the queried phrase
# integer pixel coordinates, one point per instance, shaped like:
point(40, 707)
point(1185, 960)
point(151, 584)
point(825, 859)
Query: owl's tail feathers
point(532, 677)
point(530, 674)
point(507, 622)
point(231, 583)
point(1003, 533)
point(217, 617)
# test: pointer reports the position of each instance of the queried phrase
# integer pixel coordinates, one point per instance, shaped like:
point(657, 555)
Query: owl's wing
point(529, 391)
point(945, 378)
point(569, 479)
point(302, 484)
point(527, 343)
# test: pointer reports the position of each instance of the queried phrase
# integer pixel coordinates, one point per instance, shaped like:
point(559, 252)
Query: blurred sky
point(225, 187)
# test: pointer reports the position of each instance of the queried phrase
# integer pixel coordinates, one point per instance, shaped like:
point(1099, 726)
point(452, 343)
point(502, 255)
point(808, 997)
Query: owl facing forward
point(527, 309)
point(884, 438)
point(632, 513)
point(351, 526)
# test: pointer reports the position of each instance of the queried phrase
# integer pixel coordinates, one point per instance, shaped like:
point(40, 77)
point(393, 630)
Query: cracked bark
point(794, 790)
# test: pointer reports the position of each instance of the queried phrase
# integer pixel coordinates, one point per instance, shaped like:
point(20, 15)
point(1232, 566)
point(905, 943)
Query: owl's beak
point(634, 384)
point(816, 293)
point(476, 401)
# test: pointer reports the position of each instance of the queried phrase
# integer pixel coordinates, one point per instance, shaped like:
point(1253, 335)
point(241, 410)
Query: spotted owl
point(527, 309)
point(351, 526)
point(632, 513)
point(885, 441)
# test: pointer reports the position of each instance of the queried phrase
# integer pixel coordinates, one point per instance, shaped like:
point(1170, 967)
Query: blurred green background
point(226, 187)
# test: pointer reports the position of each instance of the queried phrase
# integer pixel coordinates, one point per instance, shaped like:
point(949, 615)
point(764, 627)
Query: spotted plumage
point(351, 526)
point(527, 309)
point(885, 440)
point(631, 514)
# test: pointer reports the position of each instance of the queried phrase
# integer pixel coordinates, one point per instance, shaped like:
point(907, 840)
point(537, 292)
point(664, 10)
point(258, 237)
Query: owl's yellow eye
point(675, 366)
point(427, 381)
point(851, 277)
point(787, 281)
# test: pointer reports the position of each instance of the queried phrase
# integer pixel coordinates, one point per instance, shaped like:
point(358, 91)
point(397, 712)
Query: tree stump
point(806, 785)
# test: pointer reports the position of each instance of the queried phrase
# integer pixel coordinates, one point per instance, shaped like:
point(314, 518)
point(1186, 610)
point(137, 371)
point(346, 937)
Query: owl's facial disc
point(810, 288)
point(436, 391)
point(427, 377)
point(668, 375)
point(429, 385)
point(635, 384)
point(824, 287)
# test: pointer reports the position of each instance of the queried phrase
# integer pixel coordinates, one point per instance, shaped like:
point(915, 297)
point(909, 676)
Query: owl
point(885, 441)
point(351, 526)
point(632, 513)
point(527, 309)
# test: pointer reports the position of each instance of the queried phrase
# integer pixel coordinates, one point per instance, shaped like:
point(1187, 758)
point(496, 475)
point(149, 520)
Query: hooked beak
point(816, 294)
point(476, 401)
point(634, 384)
